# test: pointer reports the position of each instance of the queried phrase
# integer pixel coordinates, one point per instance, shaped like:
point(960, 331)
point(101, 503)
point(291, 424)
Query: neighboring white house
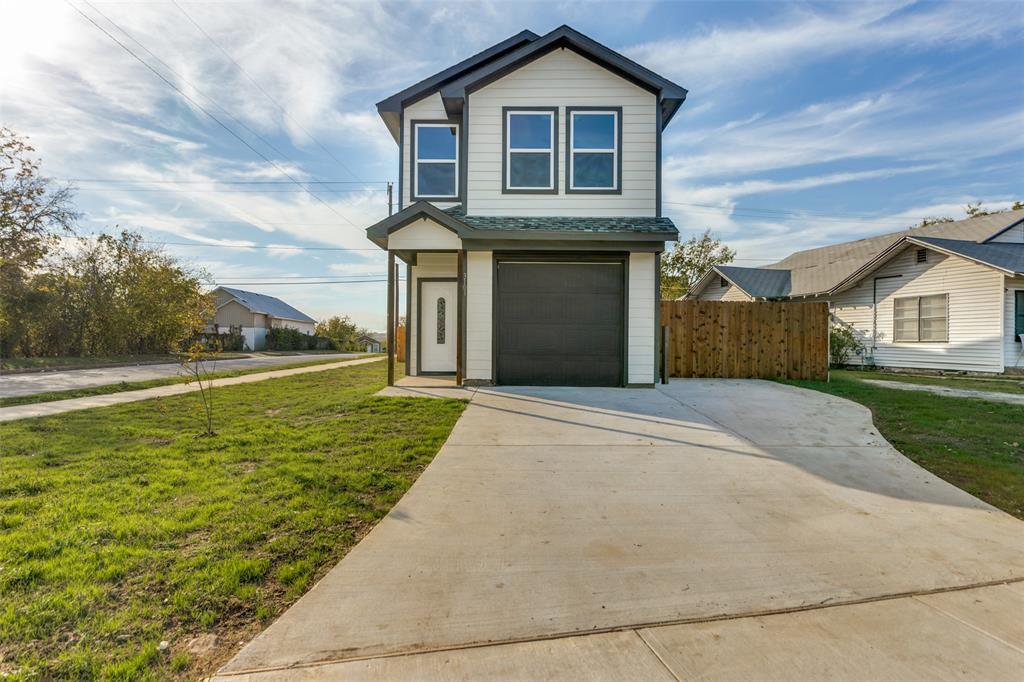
point(255, 314)
point(370, 343)
point(947, 296)
point(530, 214)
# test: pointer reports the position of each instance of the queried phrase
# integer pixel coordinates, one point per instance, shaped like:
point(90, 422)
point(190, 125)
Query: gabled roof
point(455, 82)
point(757, 282)
point(670, 94)
point(822, 270)
point(266, 305)
point(1005, 256)
point(378, 232)
point(390, 108)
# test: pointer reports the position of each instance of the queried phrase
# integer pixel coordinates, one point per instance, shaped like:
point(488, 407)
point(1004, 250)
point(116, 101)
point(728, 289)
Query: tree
point(341, 330)
point(689, 261)
point(33, 214)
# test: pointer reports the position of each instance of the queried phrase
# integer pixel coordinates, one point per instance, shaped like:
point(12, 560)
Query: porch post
point(460, 295)
point(391, 318)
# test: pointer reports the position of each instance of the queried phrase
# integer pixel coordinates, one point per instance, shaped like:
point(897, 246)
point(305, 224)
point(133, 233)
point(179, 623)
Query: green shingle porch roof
point(628, 225)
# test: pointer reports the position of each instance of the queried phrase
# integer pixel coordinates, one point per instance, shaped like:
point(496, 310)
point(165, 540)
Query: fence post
point(664, 353)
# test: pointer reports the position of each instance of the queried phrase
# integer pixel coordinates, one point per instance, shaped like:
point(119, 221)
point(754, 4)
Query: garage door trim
point(621, 258)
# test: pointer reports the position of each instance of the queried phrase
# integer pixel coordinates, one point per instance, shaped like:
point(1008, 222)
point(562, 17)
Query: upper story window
point(594, 150)
point(435, 161)
point(530, 140)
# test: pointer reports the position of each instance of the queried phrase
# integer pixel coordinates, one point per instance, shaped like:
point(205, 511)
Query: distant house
point(255, 314)
point(946, 296)
point(369, 343)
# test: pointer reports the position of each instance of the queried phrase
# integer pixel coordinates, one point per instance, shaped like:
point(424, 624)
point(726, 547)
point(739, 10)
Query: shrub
point(842, 343)
point(285, 338)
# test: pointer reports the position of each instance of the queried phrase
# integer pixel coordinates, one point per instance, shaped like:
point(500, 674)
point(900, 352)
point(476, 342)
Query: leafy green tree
point(341, 330)
point(33, 215)
point(688, 261)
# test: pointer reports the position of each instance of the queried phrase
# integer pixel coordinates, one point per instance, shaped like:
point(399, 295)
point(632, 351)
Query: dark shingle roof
point(758, 282)
point(640, 224)
point(1002, 255)
point(269, 305)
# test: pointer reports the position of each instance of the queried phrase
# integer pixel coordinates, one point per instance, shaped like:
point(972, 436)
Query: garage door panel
point(560, 323)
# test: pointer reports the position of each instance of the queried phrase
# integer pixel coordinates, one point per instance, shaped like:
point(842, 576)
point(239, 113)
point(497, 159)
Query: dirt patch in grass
point(120, 529)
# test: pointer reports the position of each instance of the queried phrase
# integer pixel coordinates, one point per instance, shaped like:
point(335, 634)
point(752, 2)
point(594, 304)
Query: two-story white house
point(530, 218)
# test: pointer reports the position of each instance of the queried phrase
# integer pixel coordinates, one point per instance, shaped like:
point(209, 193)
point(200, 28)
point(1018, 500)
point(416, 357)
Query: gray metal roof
point(1002, 255)
point(267, 305)
point(757, 282)
point(819, 270)
point(638, 224)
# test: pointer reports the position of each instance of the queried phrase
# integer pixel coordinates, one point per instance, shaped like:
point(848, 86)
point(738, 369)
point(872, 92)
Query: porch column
point(391, 318)
point(460, 295)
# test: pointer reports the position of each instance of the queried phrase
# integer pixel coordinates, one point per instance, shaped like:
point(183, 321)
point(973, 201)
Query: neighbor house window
point(595, 141)
point(436, 163)
point(921, 319)
point(531, 137)
point(1018, 314)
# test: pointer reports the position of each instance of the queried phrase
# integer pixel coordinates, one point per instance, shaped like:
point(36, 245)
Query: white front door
point(438, 324)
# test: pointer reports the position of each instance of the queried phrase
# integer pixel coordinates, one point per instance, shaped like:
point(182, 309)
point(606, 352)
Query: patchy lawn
point(976, 445)
point(123, 386)
point(64, 363)
point(1009, 384)
point(121, 528)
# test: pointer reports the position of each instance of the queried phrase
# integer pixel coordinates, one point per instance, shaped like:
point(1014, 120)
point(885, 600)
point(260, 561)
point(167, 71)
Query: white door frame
point(451, 314)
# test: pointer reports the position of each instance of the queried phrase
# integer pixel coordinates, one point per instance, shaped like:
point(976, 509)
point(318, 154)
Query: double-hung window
point(436, 161)
point(1018, 314)
point(921, 319)
point(594, 150)
point(530, 141)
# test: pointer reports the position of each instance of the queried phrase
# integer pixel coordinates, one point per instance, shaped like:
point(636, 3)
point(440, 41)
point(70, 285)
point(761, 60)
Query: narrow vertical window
point(530, 142)
point(440, 321)
point(595, 138)
point(435, 162)
point(1018, 315)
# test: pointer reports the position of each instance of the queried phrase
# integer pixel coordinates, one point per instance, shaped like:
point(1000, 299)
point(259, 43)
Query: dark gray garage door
point(560, 323)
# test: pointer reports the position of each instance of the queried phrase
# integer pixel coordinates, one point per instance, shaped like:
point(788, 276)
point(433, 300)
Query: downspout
point(874, 312)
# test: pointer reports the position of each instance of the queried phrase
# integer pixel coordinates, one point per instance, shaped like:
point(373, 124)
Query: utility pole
point(391, 206)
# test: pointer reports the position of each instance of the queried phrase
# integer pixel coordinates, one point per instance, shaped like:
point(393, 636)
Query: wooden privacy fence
point(760, 339)
point(400, 343)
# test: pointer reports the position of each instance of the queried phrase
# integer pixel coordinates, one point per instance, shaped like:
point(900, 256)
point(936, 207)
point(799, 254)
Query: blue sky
point(806, 123)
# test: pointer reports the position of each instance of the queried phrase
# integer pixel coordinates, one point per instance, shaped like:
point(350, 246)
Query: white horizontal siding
point(1015, 235)
point(560, 79)
point(1011, 347)
point(479, 323)
point(427, 109)
point(975, 312)
point(427, 265)
point(640, 335)
point(716, 292)
point(424, 234)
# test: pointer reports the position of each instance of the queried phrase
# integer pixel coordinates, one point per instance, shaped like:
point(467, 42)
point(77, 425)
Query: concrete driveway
point(676, 523)
point(16, 385)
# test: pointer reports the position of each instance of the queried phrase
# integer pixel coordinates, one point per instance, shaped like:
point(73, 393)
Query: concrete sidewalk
point(17, 385)
point(555, 513)
point(61, 406)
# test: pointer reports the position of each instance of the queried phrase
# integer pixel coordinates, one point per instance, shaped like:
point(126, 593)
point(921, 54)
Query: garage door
point(560, 323)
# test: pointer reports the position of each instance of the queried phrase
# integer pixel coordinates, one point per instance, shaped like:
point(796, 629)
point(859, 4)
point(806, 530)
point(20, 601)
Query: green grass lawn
point(64, 363)
point(122, 386)
point(976, 445)
point(121, 527)
point(994, 384)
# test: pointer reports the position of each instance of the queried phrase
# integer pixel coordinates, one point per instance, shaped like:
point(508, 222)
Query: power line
point(226, 191)
point(281, 247)
point(259, 87)
point(199, 106)
point(266, 284)
point(230, 182)
point(741, 212)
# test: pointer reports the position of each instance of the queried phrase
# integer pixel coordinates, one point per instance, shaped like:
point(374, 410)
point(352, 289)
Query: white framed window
point(435, 160)
point(531, 140)
point(921, 319)
point(594, 150)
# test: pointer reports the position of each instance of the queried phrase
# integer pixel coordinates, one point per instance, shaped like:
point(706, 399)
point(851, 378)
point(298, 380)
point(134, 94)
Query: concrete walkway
point(628, 534)
point(17, 385)
point(996, 396)
point(60, 406)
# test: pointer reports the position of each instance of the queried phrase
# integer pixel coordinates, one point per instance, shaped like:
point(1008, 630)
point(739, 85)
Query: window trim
point(414, 162)
point(1018, 311)
point(506, 151)
point(617, 152)
point(920, 318)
